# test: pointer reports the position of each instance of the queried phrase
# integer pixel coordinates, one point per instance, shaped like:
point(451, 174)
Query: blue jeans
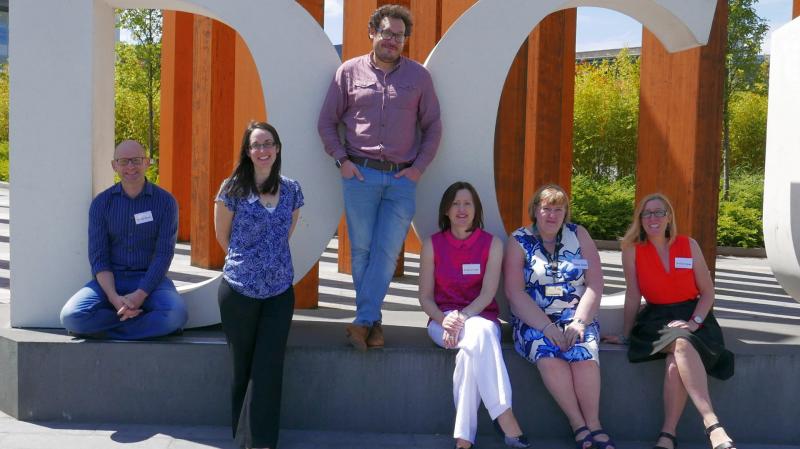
point(379, 211)
point(90, 312)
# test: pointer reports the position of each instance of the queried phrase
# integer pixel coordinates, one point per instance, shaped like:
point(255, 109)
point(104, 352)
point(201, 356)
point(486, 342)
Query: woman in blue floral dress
point(255, 213)
point(554, 281)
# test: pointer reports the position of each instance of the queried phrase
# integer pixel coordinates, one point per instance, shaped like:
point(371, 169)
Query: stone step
point(404, 388)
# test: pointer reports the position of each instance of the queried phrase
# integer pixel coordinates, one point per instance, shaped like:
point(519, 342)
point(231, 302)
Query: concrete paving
point(16, 434)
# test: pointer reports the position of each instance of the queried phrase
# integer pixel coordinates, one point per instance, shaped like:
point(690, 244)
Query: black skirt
point(648, 334)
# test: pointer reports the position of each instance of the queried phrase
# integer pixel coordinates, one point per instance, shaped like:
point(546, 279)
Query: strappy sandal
point(668, 436)
point(587, 439)
point(724, 445)
point(520, 442)
point(603, 444)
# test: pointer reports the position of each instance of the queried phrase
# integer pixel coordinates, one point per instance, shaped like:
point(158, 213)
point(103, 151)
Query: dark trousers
point(256, 331)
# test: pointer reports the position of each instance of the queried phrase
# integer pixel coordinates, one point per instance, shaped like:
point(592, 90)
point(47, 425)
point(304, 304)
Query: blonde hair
point(636, 233)
point(549, 194)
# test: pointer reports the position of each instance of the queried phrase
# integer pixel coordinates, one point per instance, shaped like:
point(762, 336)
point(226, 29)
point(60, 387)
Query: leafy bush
point(606, 118)
point(603, 207)
point(4, 103)
point(4, 161)
point(740, 221)
point(748, 134)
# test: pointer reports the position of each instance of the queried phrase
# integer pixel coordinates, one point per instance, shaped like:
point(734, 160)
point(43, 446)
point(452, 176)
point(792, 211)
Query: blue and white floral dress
point(538, 273)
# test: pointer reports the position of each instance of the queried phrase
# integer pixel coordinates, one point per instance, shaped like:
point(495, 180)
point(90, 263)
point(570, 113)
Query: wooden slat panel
point(534, 119)
point(680, 122)
point(212, 128)
point(175, 140)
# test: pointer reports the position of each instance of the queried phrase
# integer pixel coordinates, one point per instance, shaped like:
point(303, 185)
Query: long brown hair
point(636, 233)
point(242, 181)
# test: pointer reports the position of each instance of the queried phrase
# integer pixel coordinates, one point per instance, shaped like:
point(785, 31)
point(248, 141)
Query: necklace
point(549, 241)
point(269, 204)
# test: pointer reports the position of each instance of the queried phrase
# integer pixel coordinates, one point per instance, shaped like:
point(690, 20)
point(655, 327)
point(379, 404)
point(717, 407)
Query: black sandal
point(588, 438)
point(668, 436)
point(602, 444)
point(725, 445)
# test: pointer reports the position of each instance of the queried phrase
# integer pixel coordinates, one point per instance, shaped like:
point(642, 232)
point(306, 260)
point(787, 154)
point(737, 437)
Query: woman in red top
point(459, 273)
point(677, 323)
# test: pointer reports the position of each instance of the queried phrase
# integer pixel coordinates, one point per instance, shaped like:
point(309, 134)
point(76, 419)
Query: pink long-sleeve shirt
point(390, 116)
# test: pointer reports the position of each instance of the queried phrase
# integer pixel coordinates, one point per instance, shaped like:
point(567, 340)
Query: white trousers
point(480, 373)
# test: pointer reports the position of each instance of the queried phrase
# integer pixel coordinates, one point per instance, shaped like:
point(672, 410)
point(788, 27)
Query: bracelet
point(622, 338)
point(552, 323)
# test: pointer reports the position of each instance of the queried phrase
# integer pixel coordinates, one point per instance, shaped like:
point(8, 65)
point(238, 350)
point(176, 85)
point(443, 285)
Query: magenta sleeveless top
point(459, 269)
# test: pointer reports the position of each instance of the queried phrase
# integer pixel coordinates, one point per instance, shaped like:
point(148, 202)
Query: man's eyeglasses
point(387, 34)
point(660, 213)
point(136, 161)
point(262, 146)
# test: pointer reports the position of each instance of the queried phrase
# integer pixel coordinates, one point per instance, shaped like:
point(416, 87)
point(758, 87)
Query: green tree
point(145, 26)
point(748, 131)
point(4, 103)
point(746, 32)
point(606, 117)
point(132, 107)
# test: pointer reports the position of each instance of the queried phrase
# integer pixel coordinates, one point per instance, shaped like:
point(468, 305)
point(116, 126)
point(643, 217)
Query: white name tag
point(582, 264)
point(471, 268)
point(143, 217)
point(553, 290)
point(683, 262)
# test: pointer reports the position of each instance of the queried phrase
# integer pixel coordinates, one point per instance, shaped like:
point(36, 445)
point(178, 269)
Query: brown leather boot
point(357, 335)
point(375, 338)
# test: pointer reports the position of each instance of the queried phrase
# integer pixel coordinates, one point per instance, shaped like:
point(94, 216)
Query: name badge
point(470, 268)
point(582, 264)
point(143, 217)
point(683, 262)
point(553, 290)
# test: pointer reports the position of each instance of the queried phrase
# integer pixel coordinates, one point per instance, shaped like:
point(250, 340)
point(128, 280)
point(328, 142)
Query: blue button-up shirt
point(133, 235)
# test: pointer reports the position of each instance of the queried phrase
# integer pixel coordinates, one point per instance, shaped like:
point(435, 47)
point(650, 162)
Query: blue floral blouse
point(259, 264)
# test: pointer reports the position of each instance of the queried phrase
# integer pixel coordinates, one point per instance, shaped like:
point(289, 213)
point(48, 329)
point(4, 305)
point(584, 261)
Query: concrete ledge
point(404, 388)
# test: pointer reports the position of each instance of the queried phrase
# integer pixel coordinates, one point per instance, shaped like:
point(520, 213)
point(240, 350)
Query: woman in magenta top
point(678, 323)
point(459, 275)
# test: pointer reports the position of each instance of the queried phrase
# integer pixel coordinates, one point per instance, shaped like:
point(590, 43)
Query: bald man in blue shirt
point(133, 226)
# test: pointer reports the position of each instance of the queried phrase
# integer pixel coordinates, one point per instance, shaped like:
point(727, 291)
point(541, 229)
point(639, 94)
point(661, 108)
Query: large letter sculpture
point(63, 120)
point(782, 168)
point(63, 124)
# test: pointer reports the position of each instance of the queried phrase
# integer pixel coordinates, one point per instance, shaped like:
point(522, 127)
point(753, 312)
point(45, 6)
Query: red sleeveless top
point(670, 286)
point(459, 267)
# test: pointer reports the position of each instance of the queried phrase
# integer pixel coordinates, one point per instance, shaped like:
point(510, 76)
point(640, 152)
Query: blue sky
point(598, 28)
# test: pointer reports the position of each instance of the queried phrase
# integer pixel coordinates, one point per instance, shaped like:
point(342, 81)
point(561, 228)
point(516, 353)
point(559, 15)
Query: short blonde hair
point(549, 194)
point(636, 233)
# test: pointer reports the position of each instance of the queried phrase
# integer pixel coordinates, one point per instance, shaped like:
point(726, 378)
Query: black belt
point(379, 165)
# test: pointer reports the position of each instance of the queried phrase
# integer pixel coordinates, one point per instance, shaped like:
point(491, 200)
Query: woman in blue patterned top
point(554, 281)
point(255, 213)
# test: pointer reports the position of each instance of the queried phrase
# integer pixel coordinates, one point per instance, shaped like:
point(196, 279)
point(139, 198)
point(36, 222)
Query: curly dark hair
point(242, 182)
point(393, 12)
